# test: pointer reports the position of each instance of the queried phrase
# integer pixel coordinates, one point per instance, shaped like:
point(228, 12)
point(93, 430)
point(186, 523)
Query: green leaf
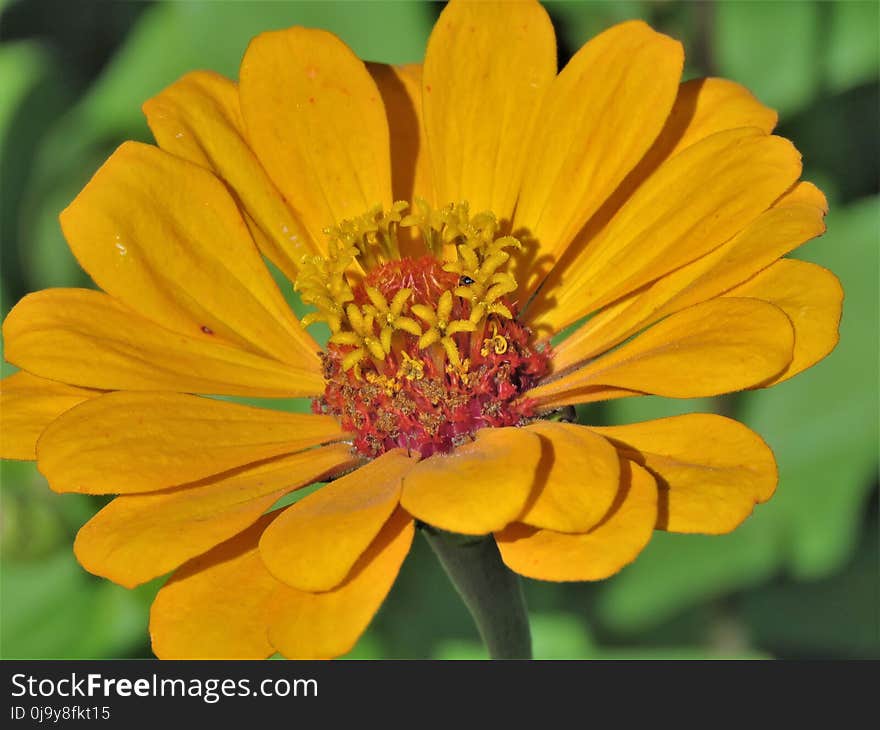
point(771, 48)
point(678, 571)
point(53, 609)
point(34, 94)
point(853, 43)
point(836, 616)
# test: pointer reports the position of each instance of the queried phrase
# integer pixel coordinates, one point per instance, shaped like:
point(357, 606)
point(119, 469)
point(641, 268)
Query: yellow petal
point(316, 121)
point(401, 89)
point(28, 404)
point(812, 298)
point(711, 470)
point(199, 119)
point(216, 606)
point(597, 554)
point(480, 487)
point(142, 442)
point(702, 108)
point(140, 536)
point(718, 346)
point(578, 479)
point(693, 203)
point(598, 119)
point(487, 67)
point(165, 237)
point(804, 192)
point(313, 545)
point(89, 339)
point(325, 625)
point(773, 234)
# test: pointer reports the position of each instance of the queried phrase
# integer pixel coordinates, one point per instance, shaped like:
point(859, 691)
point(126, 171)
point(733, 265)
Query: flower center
point(423, 351)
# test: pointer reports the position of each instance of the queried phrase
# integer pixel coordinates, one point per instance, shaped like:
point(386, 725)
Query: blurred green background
point(798, 580)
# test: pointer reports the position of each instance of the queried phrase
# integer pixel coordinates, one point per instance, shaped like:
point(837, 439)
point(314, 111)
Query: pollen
point(424, 351)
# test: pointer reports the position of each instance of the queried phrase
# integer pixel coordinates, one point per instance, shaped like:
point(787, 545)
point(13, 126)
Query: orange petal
point(693, 203)
point(199, 119)
point(28, 404)
point(598, 119)
point(487, 68)
point(142, 442)
point(316, 121)
point(711, 470)
point(773, 234)
point(165, 237)
point(804, 192)
point(478, 488)
point(702, 108)
point(812, 298)
point(217, 606)
point(401, 89)
point(580, 475)
point(89, 339)
point(719, 346)
point(313, 545)
point(325, 625)
point(140, 536)
point(601, 552)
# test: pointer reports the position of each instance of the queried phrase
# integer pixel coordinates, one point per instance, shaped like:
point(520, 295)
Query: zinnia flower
point(645, 217)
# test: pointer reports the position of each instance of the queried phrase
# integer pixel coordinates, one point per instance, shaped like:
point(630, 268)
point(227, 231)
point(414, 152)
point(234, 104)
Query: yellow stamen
point(497, 343)
point(410, 368)
point(370, 240)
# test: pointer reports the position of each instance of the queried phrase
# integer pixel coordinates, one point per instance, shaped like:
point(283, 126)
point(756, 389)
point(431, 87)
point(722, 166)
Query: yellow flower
point(660, 210)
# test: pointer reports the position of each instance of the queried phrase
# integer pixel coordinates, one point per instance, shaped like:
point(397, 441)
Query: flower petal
point(604, 550)
point(313, 545)
point(812, 298)
point(316, 121)
point(487, 67)
point(140, 536)
point(401, 89)
point(711, 470)
point(804, 192)
point(599, 117)
point(719, 346)
point(580, 478)
point(702, 108)
point(89, 339)
point(325, 625)
point(165, 237)
point(773, 234)
point(199, 119)
point(28, 404)
point(217, 606)
point(142, 442)
point(693, 203)
point(478, 488)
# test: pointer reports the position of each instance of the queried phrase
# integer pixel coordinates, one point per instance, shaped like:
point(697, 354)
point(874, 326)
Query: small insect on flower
point(443, 223)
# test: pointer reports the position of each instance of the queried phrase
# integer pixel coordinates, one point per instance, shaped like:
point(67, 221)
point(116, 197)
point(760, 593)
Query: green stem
point(491, 591)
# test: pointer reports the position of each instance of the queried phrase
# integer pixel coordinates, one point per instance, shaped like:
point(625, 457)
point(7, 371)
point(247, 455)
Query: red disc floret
point(424, 276)
point(417, 399)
